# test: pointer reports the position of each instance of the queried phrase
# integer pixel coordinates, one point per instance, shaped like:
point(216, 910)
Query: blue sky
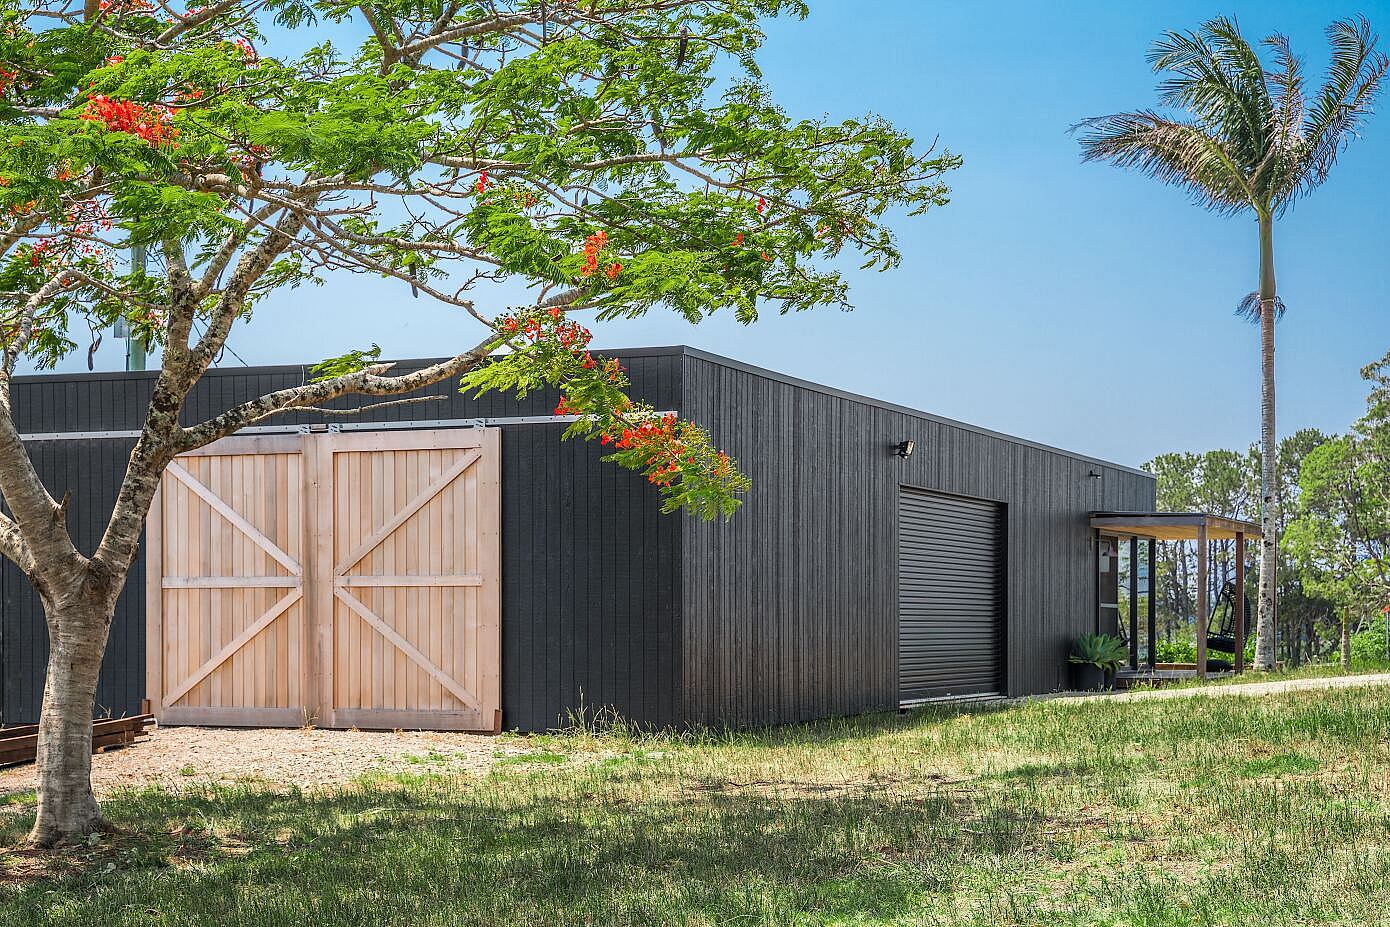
point(1072, 304)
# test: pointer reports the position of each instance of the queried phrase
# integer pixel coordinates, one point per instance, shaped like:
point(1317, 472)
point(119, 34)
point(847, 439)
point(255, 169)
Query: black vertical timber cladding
point(787, 612)
point(790, 608)
point(590, 602)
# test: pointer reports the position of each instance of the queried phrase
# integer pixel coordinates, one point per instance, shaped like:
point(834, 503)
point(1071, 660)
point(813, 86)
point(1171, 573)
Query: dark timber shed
point(853, 579)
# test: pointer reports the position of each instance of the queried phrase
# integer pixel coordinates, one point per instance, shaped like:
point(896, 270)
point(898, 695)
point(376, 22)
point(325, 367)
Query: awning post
point(1134, 602)
point(1202, 606)
point(1153, 588)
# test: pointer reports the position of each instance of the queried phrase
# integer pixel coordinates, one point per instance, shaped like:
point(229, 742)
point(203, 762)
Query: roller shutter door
point(950, 596)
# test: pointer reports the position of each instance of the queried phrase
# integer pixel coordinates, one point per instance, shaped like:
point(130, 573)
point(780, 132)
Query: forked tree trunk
point(78, 627)
point(1269, 450)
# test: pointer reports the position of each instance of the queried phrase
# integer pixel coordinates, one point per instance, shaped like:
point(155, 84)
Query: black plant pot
point(1087, 677)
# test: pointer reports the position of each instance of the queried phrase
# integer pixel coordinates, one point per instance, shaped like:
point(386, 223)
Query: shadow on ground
point(579, 849)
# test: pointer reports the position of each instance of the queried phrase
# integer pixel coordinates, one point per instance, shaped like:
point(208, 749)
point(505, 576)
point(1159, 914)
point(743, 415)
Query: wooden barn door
point(227, 638)
point(414, 635)
point(348, 580)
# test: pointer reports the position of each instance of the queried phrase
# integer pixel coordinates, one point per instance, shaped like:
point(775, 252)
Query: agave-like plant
point(1245, 139)
point(1103, 650)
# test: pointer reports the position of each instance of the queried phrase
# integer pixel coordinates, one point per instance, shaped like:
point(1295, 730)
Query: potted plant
point(1094, 659)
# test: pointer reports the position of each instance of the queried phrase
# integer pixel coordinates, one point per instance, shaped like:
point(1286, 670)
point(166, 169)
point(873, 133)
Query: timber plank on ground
point(19, 744)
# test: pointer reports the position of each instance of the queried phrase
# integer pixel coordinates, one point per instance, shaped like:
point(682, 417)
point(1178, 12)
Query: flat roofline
point(652, 351)
point(895, 407)
point(1174, 526)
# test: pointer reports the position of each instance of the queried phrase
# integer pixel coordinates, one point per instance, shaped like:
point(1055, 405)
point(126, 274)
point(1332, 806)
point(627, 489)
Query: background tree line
point(1334, 528)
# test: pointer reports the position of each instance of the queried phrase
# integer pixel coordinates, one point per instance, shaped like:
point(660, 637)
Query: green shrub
point(1185, 651)
point(1368, 644)
point(1179, 651)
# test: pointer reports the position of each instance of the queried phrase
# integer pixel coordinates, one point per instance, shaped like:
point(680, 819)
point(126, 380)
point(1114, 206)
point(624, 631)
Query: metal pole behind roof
point(136, 350)
point(1202, 608)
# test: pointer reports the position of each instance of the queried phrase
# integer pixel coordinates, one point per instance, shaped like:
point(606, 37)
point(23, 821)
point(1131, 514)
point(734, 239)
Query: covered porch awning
point(1174, 526)
point(1183, 526)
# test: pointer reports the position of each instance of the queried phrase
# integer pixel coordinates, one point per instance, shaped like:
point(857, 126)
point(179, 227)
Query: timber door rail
point(344, 580)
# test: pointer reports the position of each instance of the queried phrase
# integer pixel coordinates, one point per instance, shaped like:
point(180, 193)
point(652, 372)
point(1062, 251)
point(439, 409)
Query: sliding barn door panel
point(227, 537)
point(415, 623)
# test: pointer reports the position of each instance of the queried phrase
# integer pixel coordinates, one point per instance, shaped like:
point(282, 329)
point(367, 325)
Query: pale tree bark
point(1346, 639)
point(79, 620)
point(1266, 624)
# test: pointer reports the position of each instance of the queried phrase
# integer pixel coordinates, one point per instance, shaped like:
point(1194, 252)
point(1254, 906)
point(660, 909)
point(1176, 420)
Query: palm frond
point(1354, 76)
point(1286, 145)
point(1177, 153)
point(1215, 75)
point(1249, 307)
point(1237, 58)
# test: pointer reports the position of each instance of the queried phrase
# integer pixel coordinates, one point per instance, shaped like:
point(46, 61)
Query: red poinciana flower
point(592, 246)
point(150, 122)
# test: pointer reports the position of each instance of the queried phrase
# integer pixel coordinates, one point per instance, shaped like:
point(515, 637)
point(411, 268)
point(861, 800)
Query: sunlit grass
point(1324, 670)
point(1231, 810)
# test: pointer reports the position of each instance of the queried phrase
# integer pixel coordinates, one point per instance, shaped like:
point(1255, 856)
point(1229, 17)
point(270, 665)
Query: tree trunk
point(1346, 639)
point(78, 628)
point(1269, 450)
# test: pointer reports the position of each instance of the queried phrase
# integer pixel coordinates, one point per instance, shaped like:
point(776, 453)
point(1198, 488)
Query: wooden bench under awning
point(1199, 527)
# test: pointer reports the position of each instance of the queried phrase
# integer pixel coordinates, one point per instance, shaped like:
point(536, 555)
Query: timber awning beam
point(1174, 526)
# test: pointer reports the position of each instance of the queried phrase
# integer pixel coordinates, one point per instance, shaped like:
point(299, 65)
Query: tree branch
point(13, 545)
point(367, 382)
point(489, 26)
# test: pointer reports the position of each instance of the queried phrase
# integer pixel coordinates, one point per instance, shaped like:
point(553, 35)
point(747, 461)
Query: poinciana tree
point(1247, 140)
point(613, 155)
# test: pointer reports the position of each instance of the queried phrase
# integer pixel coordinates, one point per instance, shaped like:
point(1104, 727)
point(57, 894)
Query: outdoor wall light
point(1094, 474)
point(904, 448)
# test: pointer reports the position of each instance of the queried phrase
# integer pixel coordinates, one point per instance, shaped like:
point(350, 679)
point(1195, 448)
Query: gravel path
point(1248, 688)
point(307, 757)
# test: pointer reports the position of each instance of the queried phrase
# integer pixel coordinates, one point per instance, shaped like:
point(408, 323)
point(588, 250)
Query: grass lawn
point(1199, 810)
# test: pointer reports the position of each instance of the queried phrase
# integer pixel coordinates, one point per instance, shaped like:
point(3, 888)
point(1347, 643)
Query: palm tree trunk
point(1346, 640)
point(1269, 449)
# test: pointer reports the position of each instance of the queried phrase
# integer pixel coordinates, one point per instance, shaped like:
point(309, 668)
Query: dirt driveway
point(306, 757)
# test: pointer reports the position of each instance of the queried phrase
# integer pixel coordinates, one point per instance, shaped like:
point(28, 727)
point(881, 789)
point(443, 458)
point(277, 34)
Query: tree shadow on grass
point(573, 849)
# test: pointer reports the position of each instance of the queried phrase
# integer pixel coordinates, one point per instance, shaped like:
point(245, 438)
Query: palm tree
point(1246, 140)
